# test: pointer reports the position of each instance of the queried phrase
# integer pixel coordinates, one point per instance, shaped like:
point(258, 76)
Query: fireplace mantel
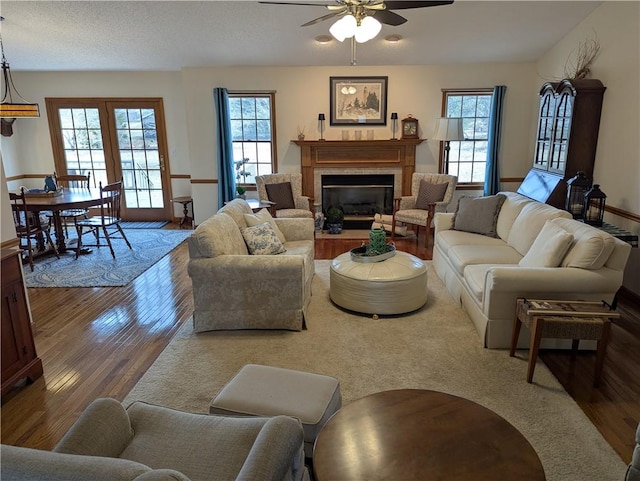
point(336, 154)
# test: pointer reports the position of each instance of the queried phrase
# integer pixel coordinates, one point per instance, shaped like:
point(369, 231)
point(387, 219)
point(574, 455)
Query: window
point(253, 132)
point(467, 158)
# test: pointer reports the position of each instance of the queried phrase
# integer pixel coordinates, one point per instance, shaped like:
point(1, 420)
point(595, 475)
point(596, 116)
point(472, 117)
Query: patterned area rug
point(99, 269)
point(144, 225)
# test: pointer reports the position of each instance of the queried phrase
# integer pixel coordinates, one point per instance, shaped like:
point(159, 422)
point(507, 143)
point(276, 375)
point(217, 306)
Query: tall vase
point(377, 241)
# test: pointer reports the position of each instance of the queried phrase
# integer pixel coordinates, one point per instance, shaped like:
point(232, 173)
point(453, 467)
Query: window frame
point(446, 93)
point(271, 95)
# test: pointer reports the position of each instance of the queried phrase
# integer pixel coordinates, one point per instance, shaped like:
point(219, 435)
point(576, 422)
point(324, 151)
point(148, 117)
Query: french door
point(115, 139)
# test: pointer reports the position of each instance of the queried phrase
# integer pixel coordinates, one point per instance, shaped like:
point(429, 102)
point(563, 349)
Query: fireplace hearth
point(359, 196)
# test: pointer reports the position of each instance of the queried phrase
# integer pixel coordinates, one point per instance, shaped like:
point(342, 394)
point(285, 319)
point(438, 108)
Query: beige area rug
point(435, 348)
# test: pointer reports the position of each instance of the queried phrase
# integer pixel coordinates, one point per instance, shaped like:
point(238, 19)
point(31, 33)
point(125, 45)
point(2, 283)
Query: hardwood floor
point(97, 342)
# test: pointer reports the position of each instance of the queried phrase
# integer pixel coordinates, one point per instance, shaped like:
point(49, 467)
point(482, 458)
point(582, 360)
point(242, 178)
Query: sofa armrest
point(277, 451)
point(442, 221)
point(24, 463)
point(256, 268)
point(103, 429)
point(295, 229)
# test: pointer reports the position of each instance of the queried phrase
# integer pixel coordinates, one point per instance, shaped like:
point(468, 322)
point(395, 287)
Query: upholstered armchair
point(420, 207)
point(147, 442)
point(288, 198)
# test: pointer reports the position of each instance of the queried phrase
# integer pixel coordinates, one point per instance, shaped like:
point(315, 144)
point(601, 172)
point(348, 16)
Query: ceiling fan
point(381, 10)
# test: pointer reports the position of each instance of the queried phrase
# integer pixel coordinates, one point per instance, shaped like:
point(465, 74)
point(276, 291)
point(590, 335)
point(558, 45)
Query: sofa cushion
point(219, 235)
point(510, 210)
point(236, 209)
point(463, 256)
point(429, 193)
point(549, 248)
point(478, 214)
point(261, 217)
point(261, 239)
point(529, 223)
point(474, 278)
point(449, 238)
point(591, 247)
point(281, 194)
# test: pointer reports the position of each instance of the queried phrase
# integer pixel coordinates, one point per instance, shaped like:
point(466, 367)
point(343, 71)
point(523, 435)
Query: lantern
point(593, 211)
point(577, 187)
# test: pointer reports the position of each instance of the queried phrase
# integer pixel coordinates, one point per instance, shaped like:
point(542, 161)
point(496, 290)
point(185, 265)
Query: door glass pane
point(82, 141)
point(139, 157)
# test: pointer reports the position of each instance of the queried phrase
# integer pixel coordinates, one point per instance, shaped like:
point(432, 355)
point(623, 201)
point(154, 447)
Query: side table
point(185, 201)
point(560, 319)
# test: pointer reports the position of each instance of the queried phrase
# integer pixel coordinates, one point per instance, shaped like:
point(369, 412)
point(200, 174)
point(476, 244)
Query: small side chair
point(407, 209)
point(286, 191)
point(73, 181)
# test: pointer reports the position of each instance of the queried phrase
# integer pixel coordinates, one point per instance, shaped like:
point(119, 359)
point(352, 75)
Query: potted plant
point(335, 218)
point(241, 191)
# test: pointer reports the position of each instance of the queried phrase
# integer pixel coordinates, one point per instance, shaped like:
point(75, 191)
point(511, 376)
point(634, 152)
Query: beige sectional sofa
point(233, 289)
point(484, 273)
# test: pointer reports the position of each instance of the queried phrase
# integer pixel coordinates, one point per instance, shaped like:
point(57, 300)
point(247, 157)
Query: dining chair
point(29, 227)
point(107, 224)
point(73, 181)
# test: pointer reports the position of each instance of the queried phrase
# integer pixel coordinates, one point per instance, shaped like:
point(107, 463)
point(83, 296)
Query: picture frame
point(358, 100)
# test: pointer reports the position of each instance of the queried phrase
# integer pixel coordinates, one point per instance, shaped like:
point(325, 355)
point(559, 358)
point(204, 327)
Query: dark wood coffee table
point(413, 434)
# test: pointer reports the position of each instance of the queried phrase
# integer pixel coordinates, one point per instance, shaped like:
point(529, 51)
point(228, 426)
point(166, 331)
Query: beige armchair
point(147, 442)
point(302, 205)
point(405, 209)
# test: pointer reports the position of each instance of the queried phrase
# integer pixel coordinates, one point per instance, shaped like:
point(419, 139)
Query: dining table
point(69, 198)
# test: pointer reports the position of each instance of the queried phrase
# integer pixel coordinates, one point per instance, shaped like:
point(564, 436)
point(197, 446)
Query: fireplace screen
point(359, 196)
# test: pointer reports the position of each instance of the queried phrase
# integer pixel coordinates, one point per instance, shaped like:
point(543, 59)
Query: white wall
point(617, 169)
point(303, 92)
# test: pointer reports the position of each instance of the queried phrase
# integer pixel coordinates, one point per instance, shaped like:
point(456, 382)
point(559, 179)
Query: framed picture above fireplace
point(358, 100)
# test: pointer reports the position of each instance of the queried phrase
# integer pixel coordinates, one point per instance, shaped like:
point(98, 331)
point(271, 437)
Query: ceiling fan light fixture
point(344, 28)
point(369, 27)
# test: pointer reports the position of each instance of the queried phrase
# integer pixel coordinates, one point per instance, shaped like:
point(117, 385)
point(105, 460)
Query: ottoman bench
point(269, 391)
point(393, 286)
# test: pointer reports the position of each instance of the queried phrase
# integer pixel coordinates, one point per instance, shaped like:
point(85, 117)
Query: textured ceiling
point(170, 35)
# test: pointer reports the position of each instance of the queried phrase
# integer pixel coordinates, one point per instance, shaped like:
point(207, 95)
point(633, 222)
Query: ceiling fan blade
point(402, 5)
point(324, 17)
point(388, 17)
point(300, 3)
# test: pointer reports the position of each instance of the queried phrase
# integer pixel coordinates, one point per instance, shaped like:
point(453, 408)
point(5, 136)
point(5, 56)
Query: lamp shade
point(369, 27)
point(320, 116)
point(394, 115)
point(344, 28)
point(448, 128)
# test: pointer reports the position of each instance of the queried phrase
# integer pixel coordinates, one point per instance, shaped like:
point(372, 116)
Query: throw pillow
point(549, 248)
point(478, 214)
point(261, 239)
point(281, 194)
point(429, 193)
point(260, 218)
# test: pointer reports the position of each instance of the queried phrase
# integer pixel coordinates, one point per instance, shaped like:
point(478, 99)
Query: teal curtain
point(224, 141)
point(492, 173)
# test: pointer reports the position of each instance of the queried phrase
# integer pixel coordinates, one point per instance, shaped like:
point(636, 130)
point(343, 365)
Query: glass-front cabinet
point(567, 132)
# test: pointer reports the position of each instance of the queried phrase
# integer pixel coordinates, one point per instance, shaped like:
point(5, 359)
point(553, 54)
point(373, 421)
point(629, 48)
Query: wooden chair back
point(110, 210)
point(27, 224)
point(74, 181)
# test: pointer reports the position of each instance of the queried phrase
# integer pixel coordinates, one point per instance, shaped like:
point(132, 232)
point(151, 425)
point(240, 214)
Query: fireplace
point(359, 196)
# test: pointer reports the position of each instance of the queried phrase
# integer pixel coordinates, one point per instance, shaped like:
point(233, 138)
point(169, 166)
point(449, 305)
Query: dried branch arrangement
point(577, 67)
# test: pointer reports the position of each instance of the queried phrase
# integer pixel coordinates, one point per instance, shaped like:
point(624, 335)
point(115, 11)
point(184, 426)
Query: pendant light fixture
point(13, 104)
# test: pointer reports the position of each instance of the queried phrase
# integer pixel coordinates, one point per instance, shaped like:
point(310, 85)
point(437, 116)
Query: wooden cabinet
point(19, 358)
point(567, 132)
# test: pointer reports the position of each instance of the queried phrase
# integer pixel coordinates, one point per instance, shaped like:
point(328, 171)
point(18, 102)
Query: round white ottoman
point(393, 286)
